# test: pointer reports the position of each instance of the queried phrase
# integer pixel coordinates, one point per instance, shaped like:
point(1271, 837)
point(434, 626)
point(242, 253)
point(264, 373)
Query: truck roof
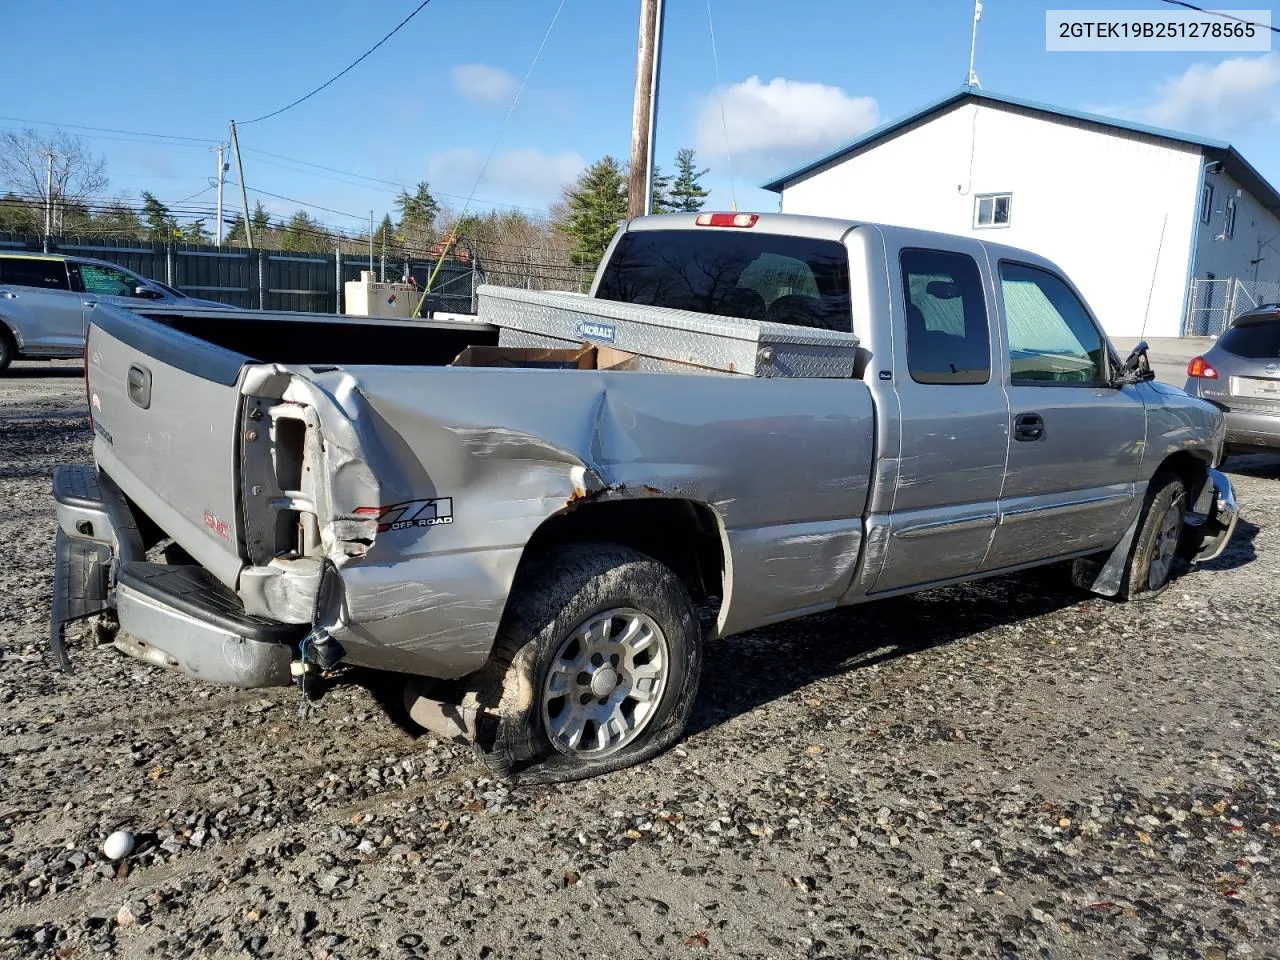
point(835, 228)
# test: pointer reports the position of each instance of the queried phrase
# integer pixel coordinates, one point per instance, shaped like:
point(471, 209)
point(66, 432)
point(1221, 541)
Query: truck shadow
point(743, 672)
point(1239, 552)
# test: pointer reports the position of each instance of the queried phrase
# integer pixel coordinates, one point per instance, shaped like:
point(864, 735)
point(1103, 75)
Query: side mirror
point(942, 289)
point(1136, 367)
point(147, 293)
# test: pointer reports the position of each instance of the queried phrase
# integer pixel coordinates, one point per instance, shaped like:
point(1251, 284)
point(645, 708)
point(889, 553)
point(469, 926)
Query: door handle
point(139, 385)
point(8, 294)
point(1028, 427)
point(89, 303)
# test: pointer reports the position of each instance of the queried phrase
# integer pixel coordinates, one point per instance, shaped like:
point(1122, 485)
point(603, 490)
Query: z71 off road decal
point(411, 513)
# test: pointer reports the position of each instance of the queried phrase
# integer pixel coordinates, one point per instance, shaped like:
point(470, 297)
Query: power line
point(132, 133)
point(346, 69)
point(1221, 13)
point(512, 109)
point(301, 203)
point(399, 186)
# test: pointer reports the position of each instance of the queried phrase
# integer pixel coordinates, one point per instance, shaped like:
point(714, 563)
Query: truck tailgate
point(165, 407)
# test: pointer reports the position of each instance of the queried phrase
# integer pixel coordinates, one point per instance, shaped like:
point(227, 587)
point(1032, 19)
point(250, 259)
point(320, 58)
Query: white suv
point(45, 301)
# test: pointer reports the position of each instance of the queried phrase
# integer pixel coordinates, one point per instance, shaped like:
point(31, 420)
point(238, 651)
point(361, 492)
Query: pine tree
point(118, 220)
point(161, 226)
point(687, 193)
point(236, 233)
point(385, 235)
point(592, 208)
point(662, 202)
point(302, 233)
point(418, 212)
point(260, 220)
point(195, 232)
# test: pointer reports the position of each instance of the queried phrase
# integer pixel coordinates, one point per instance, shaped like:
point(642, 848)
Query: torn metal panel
point(509, 462)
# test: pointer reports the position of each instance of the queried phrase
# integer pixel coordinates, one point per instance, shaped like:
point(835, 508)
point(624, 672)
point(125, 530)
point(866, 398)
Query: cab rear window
point(733, 273)
point(1254, 339)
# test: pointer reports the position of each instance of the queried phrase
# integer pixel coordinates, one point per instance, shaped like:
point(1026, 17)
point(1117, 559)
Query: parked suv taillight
point(1200, 367)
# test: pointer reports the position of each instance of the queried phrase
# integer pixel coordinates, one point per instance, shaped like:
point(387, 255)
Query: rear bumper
point(177, 617)
point(1249, 430)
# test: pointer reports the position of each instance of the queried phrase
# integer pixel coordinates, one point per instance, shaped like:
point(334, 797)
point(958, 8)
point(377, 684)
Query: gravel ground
point(1005, 769)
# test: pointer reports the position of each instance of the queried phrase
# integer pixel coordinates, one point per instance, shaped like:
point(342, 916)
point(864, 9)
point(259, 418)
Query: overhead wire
point(132, 133)
point(515, 100)
point(345, 70)
point(1221, 13)
point(724, 125)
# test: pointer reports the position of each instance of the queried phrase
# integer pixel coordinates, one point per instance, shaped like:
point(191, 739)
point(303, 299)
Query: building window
point(1206, 203)
point(1229, 220)
point(992, 209)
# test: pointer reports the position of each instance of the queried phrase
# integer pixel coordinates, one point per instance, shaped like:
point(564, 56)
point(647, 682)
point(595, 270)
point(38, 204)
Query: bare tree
point(79, 174)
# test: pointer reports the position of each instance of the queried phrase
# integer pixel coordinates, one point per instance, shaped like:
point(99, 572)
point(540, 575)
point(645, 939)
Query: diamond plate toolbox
point(721, 344)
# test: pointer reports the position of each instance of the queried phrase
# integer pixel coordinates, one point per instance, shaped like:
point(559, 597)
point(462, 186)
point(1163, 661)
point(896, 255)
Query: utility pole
point(244, 197)
point(371, 241)
point(644, 109)
point(972, 79)
point(48, 199)
point(222, 169)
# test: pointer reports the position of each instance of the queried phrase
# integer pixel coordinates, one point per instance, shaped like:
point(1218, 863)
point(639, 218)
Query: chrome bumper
point(1214, 531)
point(171, 616)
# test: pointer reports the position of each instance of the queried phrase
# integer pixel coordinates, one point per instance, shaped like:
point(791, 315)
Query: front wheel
point(1155, 548)
point(595, 668)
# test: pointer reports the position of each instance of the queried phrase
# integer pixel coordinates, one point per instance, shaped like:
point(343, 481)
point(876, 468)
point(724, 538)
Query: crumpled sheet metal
point(512, 448)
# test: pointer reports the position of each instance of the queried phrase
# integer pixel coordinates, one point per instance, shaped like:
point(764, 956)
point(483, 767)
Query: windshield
point(1253, 339)
point(733, 273)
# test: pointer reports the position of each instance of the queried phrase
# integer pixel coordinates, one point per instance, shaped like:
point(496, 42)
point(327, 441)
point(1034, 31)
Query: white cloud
point(483, 84)
point(1219, 98)
point(524, 175)
point(778, 124)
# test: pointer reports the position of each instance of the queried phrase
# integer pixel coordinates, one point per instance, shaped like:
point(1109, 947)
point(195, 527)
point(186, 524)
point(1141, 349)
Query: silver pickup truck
point(531, 547)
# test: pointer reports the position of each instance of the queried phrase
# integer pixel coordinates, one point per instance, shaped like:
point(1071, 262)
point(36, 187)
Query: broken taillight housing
point(1201, 368)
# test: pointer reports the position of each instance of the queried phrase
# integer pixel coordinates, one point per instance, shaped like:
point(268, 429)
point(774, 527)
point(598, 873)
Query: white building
point(1131, 213)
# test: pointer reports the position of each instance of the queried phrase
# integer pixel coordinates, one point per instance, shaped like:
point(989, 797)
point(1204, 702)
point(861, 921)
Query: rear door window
point(1253, 339)
point(948, 340)
point(733, 272)
point(34, 272)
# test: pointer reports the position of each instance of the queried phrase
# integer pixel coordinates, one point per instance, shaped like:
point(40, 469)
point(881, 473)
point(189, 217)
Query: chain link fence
point(1213, 304)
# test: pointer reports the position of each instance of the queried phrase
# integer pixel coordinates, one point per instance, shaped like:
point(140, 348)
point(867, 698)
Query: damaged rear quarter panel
point(784, 464)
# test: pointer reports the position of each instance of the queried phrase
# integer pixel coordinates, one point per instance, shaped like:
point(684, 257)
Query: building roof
point(1235, 164)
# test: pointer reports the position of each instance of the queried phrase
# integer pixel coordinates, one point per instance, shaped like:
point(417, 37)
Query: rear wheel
point(1155, 548)
point(595, 668)
point(8, 349)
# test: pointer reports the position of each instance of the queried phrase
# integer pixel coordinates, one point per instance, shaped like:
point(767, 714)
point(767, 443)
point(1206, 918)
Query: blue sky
point(795, 79)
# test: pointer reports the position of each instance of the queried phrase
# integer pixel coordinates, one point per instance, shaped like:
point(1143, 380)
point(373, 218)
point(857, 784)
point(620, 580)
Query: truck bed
point(309, 338)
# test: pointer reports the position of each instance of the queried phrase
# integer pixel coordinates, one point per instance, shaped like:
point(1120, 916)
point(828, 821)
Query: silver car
point(1241, 375)
point(45, 300)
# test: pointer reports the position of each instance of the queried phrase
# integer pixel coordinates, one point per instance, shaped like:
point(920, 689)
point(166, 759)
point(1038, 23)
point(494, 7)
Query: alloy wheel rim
point(605, 683)
point(1165, 548)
